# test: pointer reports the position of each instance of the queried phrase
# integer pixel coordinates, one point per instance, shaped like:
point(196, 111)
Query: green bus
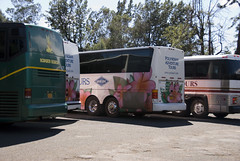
point(32, 73)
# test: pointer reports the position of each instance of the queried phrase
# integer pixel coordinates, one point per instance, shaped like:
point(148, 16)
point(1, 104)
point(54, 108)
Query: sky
point(95, 5)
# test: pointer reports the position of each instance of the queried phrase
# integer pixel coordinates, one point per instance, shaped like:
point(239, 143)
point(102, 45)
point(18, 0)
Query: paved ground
point(153, 137)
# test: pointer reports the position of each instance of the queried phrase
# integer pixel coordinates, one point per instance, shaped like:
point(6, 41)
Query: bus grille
point(9, 104)
point(48, 73)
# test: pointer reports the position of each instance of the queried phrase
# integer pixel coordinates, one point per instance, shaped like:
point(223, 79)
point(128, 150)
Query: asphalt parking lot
point(157, 137)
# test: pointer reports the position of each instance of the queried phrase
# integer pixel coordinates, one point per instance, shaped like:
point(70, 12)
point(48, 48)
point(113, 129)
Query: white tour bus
point(133, 80)
point(72, 75)
point(212, 85)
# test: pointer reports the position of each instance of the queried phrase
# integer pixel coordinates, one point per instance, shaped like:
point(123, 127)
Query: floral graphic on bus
point(71, 90)
point(119, 93)
point(142, 83)
point(83, 96)
point(172, 92)
point(138, 83)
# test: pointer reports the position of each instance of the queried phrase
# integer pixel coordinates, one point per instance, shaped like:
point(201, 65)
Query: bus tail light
point(154, 94)
point(234, 100)
point(28, 93)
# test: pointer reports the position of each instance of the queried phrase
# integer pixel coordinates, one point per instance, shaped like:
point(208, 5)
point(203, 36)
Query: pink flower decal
point(174, 95)
point(83, 96)
point(129, 89)
point(172, 92)
point(119, 93)
point(142, 83)
point(70, 91)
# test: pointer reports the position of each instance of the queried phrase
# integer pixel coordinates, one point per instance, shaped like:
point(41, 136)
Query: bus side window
point(2, 45)
point(15, 43)
point(189, 70)
point(202, 70)
point(216, 70)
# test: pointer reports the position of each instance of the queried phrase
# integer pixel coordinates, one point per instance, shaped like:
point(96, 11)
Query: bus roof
point(122, 49)
point(212, 57)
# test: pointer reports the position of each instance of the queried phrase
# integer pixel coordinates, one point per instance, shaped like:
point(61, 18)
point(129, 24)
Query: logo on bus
point(101, 81)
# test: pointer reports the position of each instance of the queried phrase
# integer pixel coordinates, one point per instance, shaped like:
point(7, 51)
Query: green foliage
point(181, 32)
point(69, 17)
point(25, 11)
point(119, 25)
point(153, 23)
point(2, 17)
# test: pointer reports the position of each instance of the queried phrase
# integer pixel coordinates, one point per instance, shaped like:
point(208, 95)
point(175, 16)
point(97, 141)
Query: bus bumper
point(169, 106)
point(37, 110)
point(234, 109)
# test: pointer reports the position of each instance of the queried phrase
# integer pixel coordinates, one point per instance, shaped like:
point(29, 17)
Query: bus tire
point(112, 107)
point(199, 108)
point(93, 106)
point(220, 115)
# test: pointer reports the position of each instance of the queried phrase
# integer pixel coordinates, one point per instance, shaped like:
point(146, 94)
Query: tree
point(2, 17)
point(235, 21)
point(69, 16)
point(96, 26)
point(81, 13)
point(119, 25)
point(25, 11)
point(150, 21)
point(181, 31)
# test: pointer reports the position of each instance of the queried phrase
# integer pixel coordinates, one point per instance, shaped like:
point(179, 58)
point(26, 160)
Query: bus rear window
point(45, 41)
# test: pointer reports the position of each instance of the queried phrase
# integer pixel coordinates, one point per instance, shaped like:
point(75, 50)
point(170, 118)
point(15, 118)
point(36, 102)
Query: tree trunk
point(238, 42)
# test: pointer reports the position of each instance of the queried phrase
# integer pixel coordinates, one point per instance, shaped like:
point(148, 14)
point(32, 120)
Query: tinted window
point(138, 60)
point(232, 69)
point(197, 69)
point(2, 45)
point(13, 41)
point(16, 41)
point(189, 69)
point(45, 41)
point(215, 69)
point(202, 69)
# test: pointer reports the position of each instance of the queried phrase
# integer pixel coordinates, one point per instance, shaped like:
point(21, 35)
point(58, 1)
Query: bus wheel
point(112, 107)
point(93, 106)
point(199, 108)
point(184, 113)
point(220, 115)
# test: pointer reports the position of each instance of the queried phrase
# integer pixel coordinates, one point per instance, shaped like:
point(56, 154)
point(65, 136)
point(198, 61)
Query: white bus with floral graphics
point(72, 75)
point(133, 80)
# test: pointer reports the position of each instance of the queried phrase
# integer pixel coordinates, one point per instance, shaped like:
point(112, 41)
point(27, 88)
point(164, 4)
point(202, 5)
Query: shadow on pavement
point(163, 120)
point(147, 120)
point(24, 132)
